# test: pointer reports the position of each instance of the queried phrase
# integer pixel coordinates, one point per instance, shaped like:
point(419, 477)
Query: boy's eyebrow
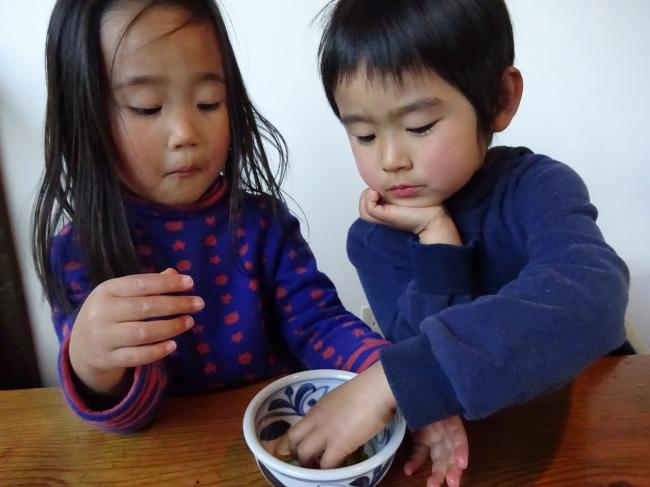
point(415, 106)
point(159, 80)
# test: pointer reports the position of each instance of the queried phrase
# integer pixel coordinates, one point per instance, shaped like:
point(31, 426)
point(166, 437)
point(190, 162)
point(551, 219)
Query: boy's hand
point(111, 335)
point(445, 442)
point(343, 420)
point(432, 224)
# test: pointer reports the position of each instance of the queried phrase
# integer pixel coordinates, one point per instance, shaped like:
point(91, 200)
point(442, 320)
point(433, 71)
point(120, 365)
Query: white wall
point(586, 102)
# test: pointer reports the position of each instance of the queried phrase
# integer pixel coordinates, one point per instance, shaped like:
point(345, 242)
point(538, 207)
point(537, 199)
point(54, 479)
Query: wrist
point(379, 379)
point(440, 231)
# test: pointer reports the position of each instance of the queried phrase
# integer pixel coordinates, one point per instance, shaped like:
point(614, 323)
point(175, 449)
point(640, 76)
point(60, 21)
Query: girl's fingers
point(143, 355)
point(297, 433)
point(419, 456)
point(145, 307)
point(166, 282)
point(131, 334)
point(310, 450)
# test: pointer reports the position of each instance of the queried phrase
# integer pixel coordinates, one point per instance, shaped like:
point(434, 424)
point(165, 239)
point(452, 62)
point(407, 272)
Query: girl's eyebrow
point(414, 106)
point(140, 80)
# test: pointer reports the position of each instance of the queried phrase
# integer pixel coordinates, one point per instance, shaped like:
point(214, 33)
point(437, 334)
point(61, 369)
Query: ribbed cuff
point(420, 386)
point(442, 268)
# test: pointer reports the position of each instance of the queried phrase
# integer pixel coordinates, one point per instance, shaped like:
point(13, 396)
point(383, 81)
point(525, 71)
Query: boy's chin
point(421, 202)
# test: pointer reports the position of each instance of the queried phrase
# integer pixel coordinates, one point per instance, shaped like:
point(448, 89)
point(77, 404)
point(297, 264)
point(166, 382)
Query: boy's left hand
point(432, 224)
point(445, 442)
point(343, 420)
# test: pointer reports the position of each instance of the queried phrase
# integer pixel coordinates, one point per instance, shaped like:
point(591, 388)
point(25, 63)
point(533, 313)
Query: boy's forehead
point(387, 88)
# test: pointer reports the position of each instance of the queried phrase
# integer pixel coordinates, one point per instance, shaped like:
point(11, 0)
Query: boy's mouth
point(404, 190)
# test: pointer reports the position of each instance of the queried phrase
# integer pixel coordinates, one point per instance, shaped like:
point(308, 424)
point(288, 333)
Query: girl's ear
point(512, 87)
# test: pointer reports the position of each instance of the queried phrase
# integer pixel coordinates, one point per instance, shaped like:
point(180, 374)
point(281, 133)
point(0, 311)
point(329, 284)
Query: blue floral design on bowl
point(283, 403)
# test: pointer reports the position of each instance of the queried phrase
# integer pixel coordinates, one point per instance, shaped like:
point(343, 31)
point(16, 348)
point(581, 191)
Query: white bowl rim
point(302, 473)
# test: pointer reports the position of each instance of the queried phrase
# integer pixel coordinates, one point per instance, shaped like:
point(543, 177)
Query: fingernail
point(188, 322)
point(187, 281)
point(198, 303)
point(171, 346)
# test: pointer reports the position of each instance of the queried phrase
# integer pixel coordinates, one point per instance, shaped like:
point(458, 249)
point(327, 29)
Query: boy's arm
point(144, 387)
point(404, 280)
point(564, 310)
point(318, 330)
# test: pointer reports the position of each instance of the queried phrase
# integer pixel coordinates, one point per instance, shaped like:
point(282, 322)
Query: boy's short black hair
point(468, 43)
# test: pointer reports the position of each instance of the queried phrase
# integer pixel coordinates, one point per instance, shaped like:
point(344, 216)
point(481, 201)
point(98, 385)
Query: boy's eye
point(422, 130)
point(145, 112)
point(208, 107)
point(366, 139)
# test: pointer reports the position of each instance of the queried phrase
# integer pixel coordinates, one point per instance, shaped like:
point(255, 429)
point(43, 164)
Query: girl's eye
point(366, 139)
point(422, 130)
point(145, 112)
point(208, 107)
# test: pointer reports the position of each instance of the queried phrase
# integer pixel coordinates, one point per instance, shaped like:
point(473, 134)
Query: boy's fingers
point(419, 456)
point(149, 284)
point(453, 476)
point(461, 455)
point(143, 355)
point(436, 479)
point(137, 333)
point(145, 307)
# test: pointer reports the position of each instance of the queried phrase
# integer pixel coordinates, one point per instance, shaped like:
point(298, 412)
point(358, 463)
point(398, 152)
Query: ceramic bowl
point(283, 403)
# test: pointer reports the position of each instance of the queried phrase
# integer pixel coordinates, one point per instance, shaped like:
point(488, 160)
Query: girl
point(178, 266)
point(484, 266)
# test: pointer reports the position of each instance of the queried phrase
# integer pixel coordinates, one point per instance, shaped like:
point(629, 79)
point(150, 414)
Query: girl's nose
point(183, 132)
point(393, 158)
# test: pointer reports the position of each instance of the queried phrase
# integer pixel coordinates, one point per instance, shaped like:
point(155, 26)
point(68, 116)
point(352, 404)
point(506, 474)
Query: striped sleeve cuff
point(133, 412)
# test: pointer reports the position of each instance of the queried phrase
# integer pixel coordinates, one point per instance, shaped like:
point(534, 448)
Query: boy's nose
point(183, 131)
point(393, 158)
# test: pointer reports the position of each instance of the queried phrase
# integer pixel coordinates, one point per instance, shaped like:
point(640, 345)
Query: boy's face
point(170, 117)
point(416, 143)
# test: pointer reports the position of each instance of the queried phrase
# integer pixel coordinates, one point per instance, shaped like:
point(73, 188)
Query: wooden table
point(595, 432)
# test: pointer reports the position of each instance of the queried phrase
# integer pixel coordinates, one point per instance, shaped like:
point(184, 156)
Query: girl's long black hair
point(80, 185)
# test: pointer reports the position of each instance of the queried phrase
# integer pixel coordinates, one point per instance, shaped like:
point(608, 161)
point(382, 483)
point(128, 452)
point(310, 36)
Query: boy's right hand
point(111, 334)
point(431, 224)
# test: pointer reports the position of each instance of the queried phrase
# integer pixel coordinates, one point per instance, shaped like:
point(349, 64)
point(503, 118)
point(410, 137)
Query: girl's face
point(170, 118)
point(416, 143)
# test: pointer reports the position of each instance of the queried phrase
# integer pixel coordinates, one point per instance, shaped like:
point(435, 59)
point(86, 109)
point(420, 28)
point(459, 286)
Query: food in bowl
point(279, 448)
point(283, 403)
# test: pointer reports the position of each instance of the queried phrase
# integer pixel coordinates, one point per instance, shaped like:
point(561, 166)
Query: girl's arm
point(142, 388)
point(318, 330)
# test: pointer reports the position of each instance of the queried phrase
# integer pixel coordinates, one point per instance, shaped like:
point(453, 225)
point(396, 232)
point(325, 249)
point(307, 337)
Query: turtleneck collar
point(497, 159)
point(211, 197)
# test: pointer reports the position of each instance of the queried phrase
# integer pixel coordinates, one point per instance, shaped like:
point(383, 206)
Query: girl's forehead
point(129, 29)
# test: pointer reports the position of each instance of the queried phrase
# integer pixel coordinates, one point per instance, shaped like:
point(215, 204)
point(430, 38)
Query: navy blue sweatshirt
point(532, 296)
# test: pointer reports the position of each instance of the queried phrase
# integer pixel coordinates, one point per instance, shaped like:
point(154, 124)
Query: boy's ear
point(512, 87)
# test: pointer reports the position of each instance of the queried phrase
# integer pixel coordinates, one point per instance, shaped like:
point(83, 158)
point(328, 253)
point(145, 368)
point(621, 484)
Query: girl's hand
point(111, 335)
point(343, 420)
point(445, 442)
point(432, 224)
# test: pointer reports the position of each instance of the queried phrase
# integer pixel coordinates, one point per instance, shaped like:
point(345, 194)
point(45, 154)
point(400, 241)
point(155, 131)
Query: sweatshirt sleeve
point(565, 309)
point(149, 383)
point(316, 327)
point(425, 279)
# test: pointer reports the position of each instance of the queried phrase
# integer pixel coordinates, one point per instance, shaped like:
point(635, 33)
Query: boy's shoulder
point(521, 170)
